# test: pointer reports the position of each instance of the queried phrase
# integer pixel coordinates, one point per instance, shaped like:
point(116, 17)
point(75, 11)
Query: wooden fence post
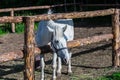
point(116, 37)
point(12, 24)
point(29, 48)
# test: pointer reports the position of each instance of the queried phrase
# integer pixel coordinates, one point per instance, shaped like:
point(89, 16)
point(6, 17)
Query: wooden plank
point(9, 19)
point(58, 5)
point(25, 8)
point(116, 36)
point(29, 49)
point(71, 44)
point(87, 14)
point(12, 24)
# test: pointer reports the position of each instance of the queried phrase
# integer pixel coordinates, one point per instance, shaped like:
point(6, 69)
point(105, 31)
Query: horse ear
point(50, 29)
point(64, 28)
point(50, 25)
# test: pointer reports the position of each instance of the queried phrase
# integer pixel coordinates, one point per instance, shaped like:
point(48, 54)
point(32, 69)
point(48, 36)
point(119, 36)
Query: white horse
point(57, 33)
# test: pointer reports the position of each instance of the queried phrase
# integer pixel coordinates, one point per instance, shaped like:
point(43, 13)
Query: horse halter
point(57, 50)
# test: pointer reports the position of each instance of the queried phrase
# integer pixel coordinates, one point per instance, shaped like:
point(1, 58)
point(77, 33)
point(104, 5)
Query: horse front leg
point(54, 66)
point(42, 66)
point(59, 67)
point(69, 65)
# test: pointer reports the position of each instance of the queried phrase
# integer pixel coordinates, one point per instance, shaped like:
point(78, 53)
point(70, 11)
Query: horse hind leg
point(42, 66)
point(69, 65)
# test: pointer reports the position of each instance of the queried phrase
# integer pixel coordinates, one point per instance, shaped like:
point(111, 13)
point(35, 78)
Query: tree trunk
point(116, 38)
point(12, 24)
point(29, 49)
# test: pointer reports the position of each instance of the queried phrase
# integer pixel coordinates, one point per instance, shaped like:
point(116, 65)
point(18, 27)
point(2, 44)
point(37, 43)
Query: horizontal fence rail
point(71, 44)
point(12, 10)
point(73, 15)
point(24, 8)
point(52, 6)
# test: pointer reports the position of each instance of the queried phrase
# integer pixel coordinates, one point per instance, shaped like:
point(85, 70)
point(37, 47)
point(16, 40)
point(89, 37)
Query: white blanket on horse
point(44, 35)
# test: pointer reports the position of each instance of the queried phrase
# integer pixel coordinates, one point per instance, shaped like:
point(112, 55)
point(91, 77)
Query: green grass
point(6, 28)
point(114, 76)
point(19, 27)
point(81, 77)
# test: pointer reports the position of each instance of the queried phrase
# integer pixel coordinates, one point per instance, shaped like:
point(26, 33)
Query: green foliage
point(114, 76)
point(24, 13)
point(4, 29)
point(19, 27)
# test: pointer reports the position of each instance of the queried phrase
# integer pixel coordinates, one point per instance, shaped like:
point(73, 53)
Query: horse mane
point(57, 27)
point(58, 32)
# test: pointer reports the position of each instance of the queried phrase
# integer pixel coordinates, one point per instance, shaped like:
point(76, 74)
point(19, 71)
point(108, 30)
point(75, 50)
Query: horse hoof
point(69, 73)
point(41, 79)
point(54, 78)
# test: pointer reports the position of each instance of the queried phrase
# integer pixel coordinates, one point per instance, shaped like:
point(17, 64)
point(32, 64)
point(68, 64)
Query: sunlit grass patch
point(114, 76)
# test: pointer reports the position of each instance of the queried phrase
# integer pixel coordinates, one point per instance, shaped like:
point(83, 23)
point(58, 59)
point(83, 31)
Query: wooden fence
point(29, 46)
point(12, 10)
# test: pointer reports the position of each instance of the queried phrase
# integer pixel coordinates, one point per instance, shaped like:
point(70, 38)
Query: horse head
point(58, 41)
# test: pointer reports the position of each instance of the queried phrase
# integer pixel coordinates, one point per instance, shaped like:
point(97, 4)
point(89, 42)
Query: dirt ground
point(88, 62)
